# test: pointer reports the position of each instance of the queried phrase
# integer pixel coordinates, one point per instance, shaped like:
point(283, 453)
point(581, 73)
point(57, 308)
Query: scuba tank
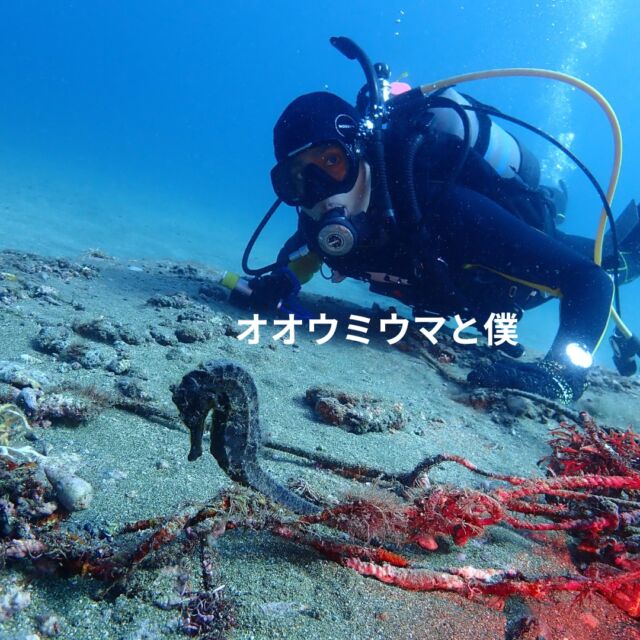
point(506, 155)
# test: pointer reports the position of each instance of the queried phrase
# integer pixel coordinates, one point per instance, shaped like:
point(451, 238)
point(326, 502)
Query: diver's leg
point(628, 228)
point(580, 244)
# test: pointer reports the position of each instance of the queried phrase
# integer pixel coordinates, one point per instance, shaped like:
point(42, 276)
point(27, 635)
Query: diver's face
point(353, 201)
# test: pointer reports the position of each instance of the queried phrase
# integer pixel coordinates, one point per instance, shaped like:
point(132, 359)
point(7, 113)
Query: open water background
point(144, 128)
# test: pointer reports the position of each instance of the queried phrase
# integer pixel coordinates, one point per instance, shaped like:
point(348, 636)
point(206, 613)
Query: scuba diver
point(442, 209)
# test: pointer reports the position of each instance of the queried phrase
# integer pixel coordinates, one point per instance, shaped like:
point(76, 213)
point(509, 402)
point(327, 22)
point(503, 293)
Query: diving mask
point(316, 173)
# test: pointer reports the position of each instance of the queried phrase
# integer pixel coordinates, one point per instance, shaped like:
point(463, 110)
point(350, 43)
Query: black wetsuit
point(483, 258)
point(499, 260)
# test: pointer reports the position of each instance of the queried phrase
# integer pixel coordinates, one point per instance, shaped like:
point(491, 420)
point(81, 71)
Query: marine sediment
point(355, 412)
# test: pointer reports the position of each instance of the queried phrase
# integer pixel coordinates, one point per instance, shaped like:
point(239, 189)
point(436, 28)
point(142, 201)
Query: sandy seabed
point(138, 467)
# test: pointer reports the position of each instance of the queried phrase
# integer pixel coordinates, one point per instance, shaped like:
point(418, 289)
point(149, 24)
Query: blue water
point(144, 128)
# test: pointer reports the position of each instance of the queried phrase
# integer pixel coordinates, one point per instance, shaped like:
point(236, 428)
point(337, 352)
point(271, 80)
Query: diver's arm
point(475, 233)
point(303, 262)
point(304, 267)
point(278, 290)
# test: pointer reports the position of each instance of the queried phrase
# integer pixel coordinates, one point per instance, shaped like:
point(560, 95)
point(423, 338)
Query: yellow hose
point(604, 105)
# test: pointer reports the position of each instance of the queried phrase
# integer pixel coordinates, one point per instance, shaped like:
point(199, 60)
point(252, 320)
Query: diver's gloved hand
point(547, 378)
point(267, 292)
point(291, 305)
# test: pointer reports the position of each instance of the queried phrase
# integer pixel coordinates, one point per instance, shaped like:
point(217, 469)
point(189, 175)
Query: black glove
point(547, 378)
point(267, 291)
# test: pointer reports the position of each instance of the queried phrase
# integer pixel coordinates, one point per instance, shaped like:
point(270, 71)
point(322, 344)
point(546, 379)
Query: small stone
point(28, 399)
point(162, 464)
point(61, 407)
point(72, 492)
point(193, 333)
point(48, 624)
point(517, 405)
point(19, 375)
point(103, 330)
point(13, 600)
point(99, 329)
point(357, 413)
point(162, 338)
point(132, 389)
point(174, 301)
point(119, 366)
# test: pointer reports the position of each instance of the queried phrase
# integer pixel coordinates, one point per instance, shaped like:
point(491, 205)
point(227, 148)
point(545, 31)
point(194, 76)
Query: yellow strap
point(305, 267)
point(540, 287)
point(557, 293)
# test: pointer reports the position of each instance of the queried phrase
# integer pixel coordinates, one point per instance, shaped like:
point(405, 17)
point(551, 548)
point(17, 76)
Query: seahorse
point(227, 391)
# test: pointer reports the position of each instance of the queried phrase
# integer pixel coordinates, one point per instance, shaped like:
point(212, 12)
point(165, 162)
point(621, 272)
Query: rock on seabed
point(72, 492)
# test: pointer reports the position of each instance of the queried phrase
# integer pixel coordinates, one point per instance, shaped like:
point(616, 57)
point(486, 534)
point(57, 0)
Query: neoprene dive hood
point(323, 117)
point(311, 119)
